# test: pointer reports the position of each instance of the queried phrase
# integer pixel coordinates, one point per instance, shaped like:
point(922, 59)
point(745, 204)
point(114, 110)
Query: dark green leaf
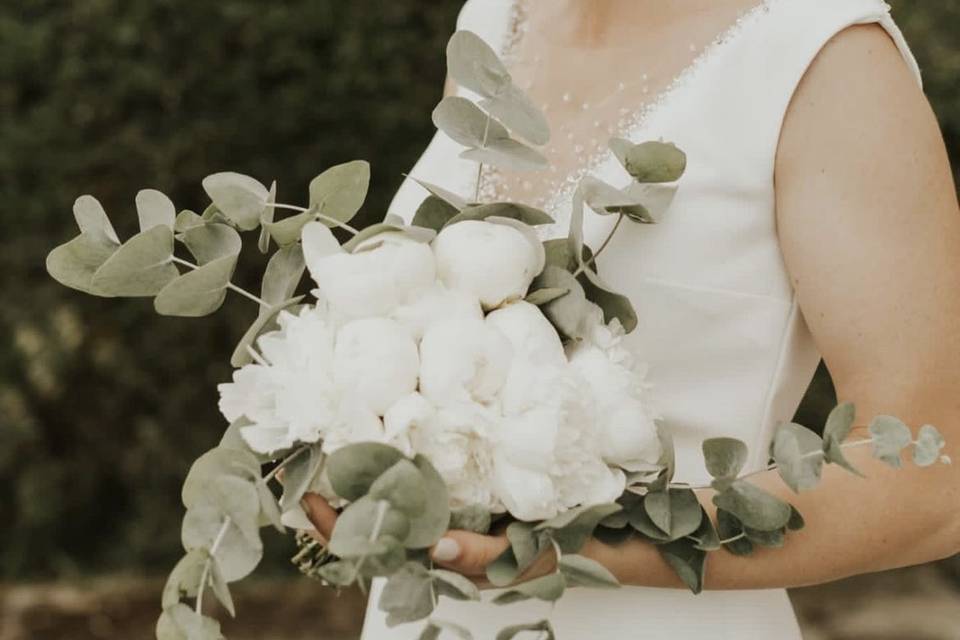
point(753, 506)
point(724, 457)
point(581, 571)
point(840, 422)
point(570, 313)
point(434, 213)
point(514, 211)
point(687, 561)
point(353, 468)
point(548, 588)
point(572, 528)
point(798, 453)
point(615, 305)
point(655, 162)
point(474, 518)
point(729, 528)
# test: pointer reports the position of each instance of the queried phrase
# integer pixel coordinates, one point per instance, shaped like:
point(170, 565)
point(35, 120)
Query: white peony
point(436, 304)
point(530, 333)
point(628, 435)
point(376, 362)
point(494, 262)
point(288, 396)
point(463, 360)
point(382, 273)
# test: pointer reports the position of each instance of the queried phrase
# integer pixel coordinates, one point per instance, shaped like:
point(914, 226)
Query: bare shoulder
point(860, 130)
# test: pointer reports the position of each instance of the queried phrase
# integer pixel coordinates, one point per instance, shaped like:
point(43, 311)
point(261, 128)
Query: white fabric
point(728, 349)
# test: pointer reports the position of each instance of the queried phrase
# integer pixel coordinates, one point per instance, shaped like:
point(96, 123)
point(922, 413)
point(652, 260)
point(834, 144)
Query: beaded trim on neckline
point(556, 201)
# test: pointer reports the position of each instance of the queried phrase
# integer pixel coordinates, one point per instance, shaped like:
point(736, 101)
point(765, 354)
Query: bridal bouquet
point(454, 372)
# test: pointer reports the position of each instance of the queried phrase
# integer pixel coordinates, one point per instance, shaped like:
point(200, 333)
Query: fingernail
point(446, 550)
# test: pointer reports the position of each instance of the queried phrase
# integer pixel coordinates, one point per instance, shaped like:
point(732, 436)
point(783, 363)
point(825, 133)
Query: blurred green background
point(103, 404)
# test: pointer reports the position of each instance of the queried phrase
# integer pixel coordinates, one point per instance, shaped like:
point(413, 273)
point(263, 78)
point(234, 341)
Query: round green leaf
point(929, 443)
point(753, 506)
point(475, 66)
point(94, 222)
point(655, 162)
point(140, 267)
point(154, 208)
point(724, 457)
point(518, 113)
point(581, 571)
point(199, 292)
point(73, 263)
point(217, 462)
point(408, 595)
point(508, 154)
point(466, 123)
point(211, 241)
point(434, 213)
point(515, 211)
point(339, 191)
point(890, 436)
point(354, 468)
point(239, 198)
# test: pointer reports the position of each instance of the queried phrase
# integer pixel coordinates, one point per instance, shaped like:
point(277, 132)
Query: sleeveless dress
point(728, 351)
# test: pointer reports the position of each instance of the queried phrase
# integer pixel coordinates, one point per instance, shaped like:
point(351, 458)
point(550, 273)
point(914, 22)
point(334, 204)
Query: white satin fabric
point(728, 349)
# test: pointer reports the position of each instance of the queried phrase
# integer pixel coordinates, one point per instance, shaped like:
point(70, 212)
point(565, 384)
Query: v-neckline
point(632, 123)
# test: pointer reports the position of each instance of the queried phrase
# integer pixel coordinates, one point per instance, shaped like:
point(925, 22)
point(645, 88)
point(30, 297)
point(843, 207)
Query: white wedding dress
point(728, 350)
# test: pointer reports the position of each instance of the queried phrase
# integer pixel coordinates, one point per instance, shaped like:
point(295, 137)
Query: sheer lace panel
point(592, 93)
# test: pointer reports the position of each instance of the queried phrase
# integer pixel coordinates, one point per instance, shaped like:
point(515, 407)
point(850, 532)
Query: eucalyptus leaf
point(436, 627)
point(199, 292)
point(475, 66)
point(652, 201)
point(434, 213)
point(466, 124)
point(724, 457)
point(455, 201)
point(403, 486)
point(362, 524)
point(503, 570)
point(180, 622)
point(926, 450)
point(614, 305)
point(269, 507)
point(235, 502)
point(241, 199)
point(729, 528)
point(154, 208)
point(475, 518)
point(706, 536)
point(796, 522)
point(840, 422)
point(211, 241)
point(508, 154)
point(655, 162)
point(639, 520)
point(543, 629)
point(524, 543)
point(266, 217)
point(93, 221)
point(73, 263)
point(571, 529)
point(772, 539)
point(571, 313)
point(362, 241)
point(339, 191)
point(408, 595)
point(688, 562)
point(187, 219)
point(139, 267)
point(282, 275)
point(381, 557)
point(581, 571)
point(515, 211)
point(516, 111)
point(220, 589)
point(753, 506)
point(833, 453)
point(454, 585)
point(676, 512)
point(287, 231)
point(434, 521)
point(341, 573)
point(798, 453)
point(548, 588)
point(215, 463)
point(890, 437)
point(184, 580)
point(543, 296)
point(354, 468)
point(299, 474)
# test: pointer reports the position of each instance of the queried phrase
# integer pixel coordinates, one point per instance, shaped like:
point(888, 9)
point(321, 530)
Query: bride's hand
point(321, 514)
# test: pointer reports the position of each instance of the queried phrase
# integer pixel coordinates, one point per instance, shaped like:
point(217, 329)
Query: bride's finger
point(468, 553)
point(320, 513)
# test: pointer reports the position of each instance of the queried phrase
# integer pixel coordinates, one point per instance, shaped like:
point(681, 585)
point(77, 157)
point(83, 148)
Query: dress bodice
point(727, 347)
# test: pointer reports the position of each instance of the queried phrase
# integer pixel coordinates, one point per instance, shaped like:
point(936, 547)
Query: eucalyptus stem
point(483, 145)
point(583, 265)
point(209, 563)
point(283, 463)
point(320, 216)
point(772, 467)
point(230, 285)
point(739, 536)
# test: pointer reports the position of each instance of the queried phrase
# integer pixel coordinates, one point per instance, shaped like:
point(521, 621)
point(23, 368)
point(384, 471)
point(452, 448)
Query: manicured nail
point(446, 550)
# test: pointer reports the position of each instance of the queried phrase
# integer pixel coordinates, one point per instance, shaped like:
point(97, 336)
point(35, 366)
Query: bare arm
point(870, 230)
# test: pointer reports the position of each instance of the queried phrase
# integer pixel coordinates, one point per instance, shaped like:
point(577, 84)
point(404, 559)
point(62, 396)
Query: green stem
point(320, 216)
point(230, 285)
point(583, 266)
point(734, 538)
point(483, 145)
point(772, 467)
point(208, 564)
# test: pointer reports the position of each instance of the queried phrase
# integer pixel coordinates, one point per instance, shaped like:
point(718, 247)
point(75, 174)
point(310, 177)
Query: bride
point(817, 218)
